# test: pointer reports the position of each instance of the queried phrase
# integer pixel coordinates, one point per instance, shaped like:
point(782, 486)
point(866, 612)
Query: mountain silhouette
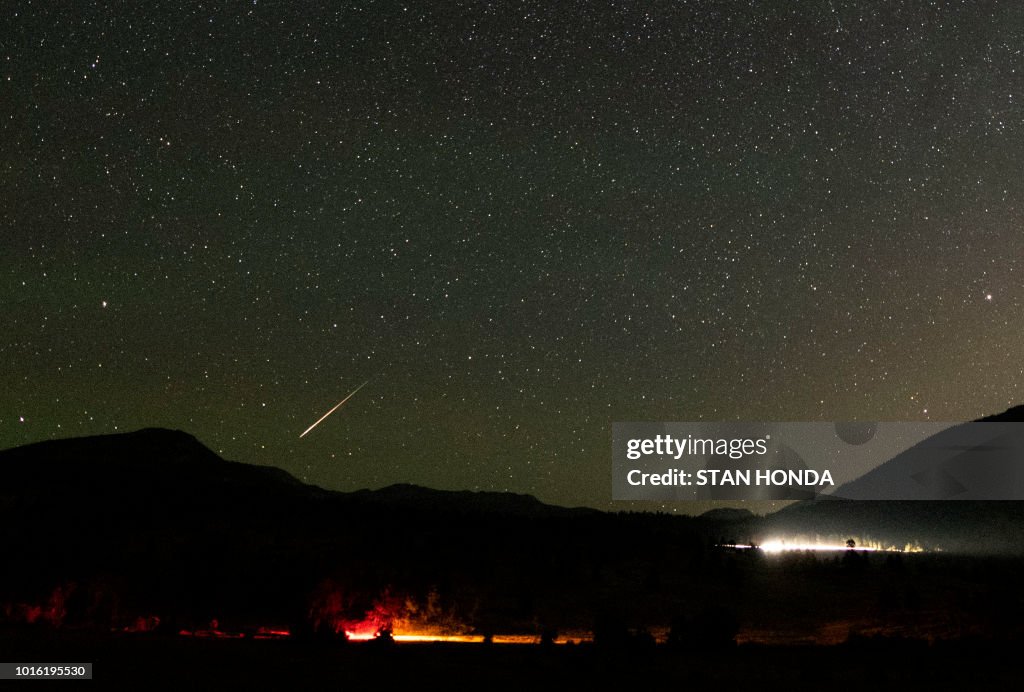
point(116, 527)
point(156, 469)
point(961, 461)
point(414, 497)
point(154, 522)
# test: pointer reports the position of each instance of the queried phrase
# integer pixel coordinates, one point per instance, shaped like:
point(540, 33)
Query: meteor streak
point(335, 408)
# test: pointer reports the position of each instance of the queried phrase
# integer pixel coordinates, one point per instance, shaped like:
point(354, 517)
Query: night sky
point(522, 221)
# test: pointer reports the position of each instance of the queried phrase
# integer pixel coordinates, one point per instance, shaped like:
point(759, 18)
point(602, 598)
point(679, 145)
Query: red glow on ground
point(215, 632)
point(272, 633)
point(212, 632)
point(400, 637)
point(143, 624)
point(51, 613)
point(331, 611)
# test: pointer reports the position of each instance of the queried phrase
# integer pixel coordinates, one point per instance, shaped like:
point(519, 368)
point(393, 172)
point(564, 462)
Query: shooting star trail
point(335, 408)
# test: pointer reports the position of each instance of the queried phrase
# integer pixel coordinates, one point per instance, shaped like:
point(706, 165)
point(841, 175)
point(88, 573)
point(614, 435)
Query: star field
point(524, 221)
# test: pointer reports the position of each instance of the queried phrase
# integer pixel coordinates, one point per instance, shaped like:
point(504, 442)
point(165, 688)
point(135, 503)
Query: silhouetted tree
point(384, 636)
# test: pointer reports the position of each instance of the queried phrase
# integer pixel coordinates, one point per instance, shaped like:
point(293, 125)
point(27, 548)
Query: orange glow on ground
point(469, 638)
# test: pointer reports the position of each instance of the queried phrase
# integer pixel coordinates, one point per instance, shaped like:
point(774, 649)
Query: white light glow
point(783, 546)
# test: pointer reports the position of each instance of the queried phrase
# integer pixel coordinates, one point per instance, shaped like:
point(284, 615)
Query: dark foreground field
point(144, 661)
point(122, 542)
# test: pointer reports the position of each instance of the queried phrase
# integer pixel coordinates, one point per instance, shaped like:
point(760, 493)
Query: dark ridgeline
point(960, 526)
point(106, 532)
point(144, 523)
point(153, 523)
